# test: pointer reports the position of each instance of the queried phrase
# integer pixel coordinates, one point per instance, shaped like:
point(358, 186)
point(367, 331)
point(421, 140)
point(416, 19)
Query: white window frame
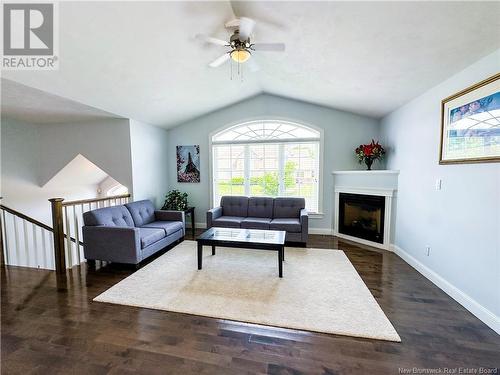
point(112, 190)
point(320, 212)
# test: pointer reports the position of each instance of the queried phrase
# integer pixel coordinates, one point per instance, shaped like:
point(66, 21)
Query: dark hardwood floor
point(51, 326)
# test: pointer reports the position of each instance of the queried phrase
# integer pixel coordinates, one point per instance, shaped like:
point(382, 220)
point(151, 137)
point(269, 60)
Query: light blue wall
point(149, 162)
point(32, 154)
point(342, 133)
point(460, 222)
point(104, 142)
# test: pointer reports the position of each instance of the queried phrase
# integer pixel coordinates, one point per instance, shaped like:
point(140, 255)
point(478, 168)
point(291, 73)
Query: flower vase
point(368, 162)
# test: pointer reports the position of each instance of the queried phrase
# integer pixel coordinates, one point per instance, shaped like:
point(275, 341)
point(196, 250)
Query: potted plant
point(370, 152)
point(175, 200)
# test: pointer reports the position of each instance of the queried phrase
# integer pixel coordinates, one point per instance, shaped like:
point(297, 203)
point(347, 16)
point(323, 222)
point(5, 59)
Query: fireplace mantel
point(366, 191)
point(374, 182)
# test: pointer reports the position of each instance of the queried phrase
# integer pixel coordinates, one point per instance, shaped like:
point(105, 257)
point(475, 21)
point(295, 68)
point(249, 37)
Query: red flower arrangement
point(370, 152)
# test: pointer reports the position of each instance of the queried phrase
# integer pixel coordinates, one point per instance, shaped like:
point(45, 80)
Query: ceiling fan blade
point(246, 28)
point(268, 46)
point(219, 61)
point(212, 40)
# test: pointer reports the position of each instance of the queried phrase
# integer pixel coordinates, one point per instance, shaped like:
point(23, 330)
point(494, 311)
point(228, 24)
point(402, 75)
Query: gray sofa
point(288, 214)
point(130, 233)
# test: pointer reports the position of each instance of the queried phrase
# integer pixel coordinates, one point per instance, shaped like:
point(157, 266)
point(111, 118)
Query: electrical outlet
point(428, 250)
point(438, 184)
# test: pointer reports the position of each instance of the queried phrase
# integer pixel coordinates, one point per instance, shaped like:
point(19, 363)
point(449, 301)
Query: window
point(117, 190)
point(267, 158)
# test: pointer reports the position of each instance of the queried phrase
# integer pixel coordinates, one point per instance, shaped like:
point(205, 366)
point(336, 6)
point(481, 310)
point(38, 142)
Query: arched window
point(267, 158)
point(117, 190)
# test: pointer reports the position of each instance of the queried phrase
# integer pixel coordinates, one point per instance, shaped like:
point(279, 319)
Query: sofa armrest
point(304, 222)
point(115, 244)
point(169, 215)
point(213, 214)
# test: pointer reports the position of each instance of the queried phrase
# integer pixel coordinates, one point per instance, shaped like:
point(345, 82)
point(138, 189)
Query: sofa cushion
point(143, 212)
point(115, 216)
point(168, 226)
point(150, 235)
point(288, 207)
point(255, 223)
point(234, 206)
point(286, 224)
point(260, 207)
point(228, 221)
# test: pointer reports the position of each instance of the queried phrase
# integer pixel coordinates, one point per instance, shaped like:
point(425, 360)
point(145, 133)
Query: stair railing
point(25, 241)
point(67, 220)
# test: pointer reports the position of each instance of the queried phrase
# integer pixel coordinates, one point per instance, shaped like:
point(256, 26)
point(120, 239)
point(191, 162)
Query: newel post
point(57, 225)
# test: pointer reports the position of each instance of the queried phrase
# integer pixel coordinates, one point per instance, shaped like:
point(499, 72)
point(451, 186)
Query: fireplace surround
point(364, 206)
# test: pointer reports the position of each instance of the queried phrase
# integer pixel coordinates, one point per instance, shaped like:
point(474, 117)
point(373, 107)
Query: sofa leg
point(91, 263)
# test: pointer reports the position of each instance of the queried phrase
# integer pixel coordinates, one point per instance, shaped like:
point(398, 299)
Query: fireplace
point(362, 216)
point(363, 204)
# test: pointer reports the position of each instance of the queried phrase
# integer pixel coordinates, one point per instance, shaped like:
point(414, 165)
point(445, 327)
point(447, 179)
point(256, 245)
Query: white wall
point(21, 163)
point(42, 161)
point(343, 132)
point(106, 143)
point(149, 162)
point(105, 185)
point(33, 153)
point(461, 222)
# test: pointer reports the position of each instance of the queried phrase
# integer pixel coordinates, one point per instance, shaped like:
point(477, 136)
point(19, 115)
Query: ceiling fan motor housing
point(237, 43)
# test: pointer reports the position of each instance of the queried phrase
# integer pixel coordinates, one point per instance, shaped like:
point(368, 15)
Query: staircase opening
point(26, 217)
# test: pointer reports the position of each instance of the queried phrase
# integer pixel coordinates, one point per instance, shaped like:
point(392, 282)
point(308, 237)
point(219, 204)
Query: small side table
point(190, 211)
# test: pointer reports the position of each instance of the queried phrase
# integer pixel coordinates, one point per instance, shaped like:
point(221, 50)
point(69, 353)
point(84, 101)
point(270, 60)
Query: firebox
point(362, 216)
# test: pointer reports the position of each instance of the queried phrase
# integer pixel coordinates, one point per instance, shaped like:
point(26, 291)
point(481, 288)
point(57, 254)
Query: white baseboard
point(320, 231)
point(482, 313)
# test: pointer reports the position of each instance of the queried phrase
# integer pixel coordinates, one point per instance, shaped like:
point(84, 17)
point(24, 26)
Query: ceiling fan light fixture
point(240, 55)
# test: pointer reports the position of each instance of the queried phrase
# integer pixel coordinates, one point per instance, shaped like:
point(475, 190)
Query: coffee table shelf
point(257, 239)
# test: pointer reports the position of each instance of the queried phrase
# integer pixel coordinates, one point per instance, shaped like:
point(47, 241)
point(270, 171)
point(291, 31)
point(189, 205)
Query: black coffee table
point(258, 239)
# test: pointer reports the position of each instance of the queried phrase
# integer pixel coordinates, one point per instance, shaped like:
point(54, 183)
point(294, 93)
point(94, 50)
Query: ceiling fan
point(239, 44)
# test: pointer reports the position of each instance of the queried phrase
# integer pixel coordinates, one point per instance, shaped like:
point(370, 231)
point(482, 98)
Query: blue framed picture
point(470, 124)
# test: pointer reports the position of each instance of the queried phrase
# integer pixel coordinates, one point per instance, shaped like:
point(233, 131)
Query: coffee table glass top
point(244, 235)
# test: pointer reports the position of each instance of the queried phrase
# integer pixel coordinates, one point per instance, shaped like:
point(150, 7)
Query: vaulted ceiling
point(24, 103)
point(141, 60)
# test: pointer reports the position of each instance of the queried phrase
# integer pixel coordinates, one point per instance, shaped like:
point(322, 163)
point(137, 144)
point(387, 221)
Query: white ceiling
point(140, 59)
point(24, 103)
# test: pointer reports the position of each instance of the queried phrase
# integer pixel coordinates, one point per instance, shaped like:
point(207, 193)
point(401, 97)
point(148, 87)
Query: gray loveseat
point(130, 233)
point(288, 214)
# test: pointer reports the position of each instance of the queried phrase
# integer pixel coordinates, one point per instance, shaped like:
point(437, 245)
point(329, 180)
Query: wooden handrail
point(32, 221)
point(61, 219)
point(85, 201)
point(25, 217)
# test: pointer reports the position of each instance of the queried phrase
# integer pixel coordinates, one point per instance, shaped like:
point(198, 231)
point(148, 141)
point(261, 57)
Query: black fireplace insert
point(362, 216)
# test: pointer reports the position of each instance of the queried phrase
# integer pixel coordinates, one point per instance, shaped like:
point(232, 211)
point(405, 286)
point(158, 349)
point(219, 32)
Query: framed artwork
point(470, 124)
point(188, 163)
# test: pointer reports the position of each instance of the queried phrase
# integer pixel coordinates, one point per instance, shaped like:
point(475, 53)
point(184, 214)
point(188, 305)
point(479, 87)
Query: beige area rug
point(320, 290)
